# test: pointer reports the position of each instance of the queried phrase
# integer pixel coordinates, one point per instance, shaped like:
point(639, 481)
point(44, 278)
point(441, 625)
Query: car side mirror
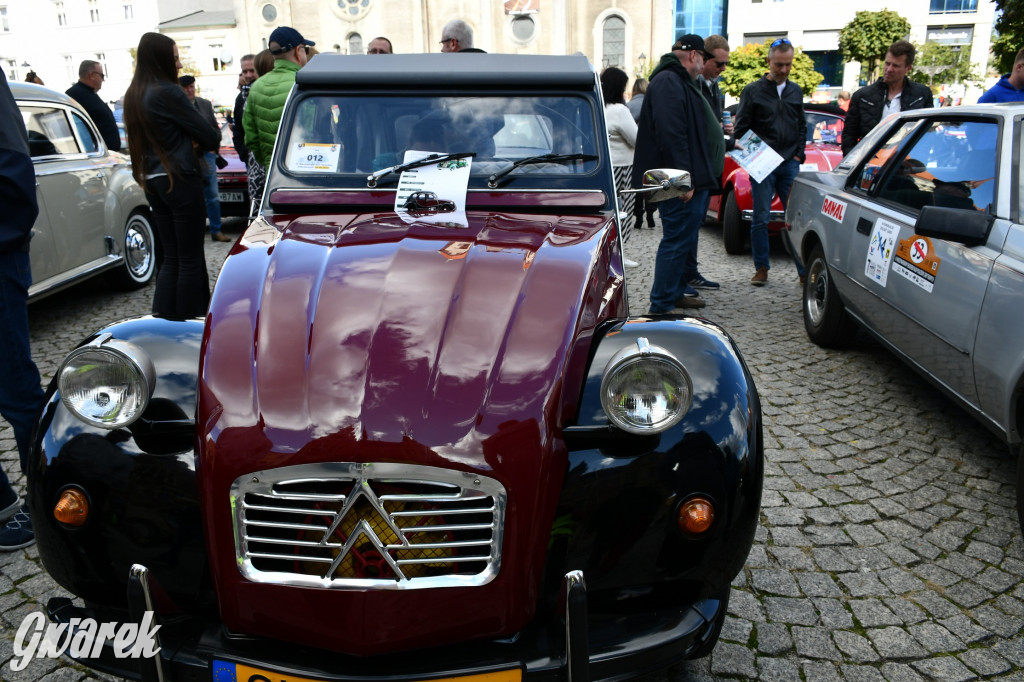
point(962, 225)
point(663, 183)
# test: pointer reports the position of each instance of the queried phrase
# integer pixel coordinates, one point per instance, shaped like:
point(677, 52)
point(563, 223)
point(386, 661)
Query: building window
point(523, 28)
point(3, 19)
point(269, 13)
point(702, 17)
point(94, 11)
point(12, 68)
point(102, 59)
point(69, 67)
point(953, 6)
point(355, 43)
point(129, 13)
point(613, 41)
point(218, 62)
point(353, 7)
point(62, 18)
point(829, 63)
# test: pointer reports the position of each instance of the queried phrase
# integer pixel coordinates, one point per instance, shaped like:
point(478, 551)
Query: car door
point(924, 295)
point(72, 173)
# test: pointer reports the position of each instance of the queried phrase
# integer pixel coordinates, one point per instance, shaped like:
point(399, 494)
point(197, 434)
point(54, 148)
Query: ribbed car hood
point(364, 339)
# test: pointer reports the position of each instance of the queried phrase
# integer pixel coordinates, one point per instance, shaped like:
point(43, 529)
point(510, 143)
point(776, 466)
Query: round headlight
point(107, 383)
point(645, 389)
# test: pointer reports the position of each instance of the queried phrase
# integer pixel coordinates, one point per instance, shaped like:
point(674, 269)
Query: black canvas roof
point(448, 70)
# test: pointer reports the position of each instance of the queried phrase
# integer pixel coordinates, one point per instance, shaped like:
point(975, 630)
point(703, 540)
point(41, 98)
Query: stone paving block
point(864, 584)
point(790, 537)
point(936, 638)
point(773, 638)
point(1010, 606)
point(833, 613)
point(736, 630)
point(946, 669)
point(817, 584)
point(792, 611)
point(895, 643)
point(900, 580)
point(965, 628)
point(856, 648)
point(814, 643)
point(860, 673)
point(774, 581)
point(983, 551)
point(784, 516)
point(63, 675)
point(866, 559)
point(967, 594)
point(873, 613)
point(1012, 650)
point(961, 564)
point(733, 659)
point(934, 575)
point(792, 558)
point(985, 662)
point(777, 670)
point(824, 516)
point(743, 604)
point(994, 580)
point(896, 530)
point(899, 672)
point(906, 610)
point(34, 671)
point(819, 671)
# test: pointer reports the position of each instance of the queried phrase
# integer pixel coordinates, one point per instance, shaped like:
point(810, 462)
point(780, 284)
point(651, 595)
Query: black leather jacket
point(177, 124)
point(867, 103)
point(779, 121)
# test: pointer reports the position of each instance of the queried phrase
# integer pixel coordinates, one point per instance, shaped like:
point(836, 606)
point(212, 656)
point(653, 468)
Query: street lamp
point(643, 64)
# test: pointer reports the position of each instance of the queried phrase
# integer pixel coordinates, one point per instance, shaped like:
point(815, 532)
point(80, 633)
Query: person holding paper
point(773, 107)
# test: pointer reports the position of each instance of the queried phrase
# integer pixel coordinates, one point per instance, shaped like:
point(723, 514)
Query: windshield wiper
point(492, 182)
point(371, 180)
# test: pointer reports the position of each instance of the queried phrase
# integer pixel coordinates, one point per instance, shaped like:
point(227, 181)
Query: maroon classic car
point(397, 448)
point(734, 207)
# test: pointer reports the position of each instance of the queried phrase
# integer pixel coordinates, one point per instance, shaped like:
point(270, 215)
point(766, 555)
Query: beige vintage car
point(93, 216)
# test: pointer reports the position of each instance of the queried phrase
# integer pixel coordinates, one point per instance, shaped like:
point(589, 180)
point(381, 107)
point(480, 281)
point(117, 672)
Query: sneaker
point(9, 503)
point(760, 277)
point(17, 532)
point(690, 302)
point(629, 262)
point(699, 282)
point(219, 237)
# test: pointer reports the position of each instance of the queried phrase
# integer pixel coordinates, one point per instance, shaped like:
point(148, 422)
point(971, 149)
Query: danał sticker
point(833, 208)
point(916, 260)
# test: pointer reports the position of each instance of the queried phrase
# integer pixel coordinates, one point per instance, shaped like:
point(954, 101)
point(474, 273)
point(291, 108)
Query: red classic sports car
point(403, 449)
point(734, 207)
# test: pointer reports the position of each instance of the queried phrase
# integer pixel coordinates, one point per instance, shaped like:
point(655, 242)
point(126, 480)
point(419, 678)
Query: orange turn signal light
point(696, 516)
point(72, 509)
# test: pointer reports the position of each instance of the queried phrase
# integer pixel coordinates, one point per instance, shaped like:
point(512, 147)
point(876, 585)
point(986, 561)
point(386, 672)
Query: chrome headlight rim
point(127, 354)
point(643, 352)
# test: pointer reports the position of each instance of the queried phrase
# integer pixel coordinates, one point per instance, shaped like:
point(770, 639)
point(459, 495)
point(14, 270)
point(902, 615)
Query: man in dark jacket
point(677, 129)
point(209, 159)
point(248, 63)
point(891, 93)
point(21, 395)
point(773, 107)
point(90, 80)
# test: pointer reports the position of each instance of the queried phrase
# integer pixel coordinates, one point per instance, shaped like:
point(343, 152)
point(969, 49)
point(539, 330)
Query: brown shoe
point(690, 302)
point(220, 237)
point(760, 277)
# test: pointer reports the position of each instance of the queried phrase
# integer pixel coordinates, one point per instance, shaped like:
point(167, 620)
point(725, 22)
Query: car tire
point(825, 317)
point(707, 646)
point(735, 230)
point(139, 250)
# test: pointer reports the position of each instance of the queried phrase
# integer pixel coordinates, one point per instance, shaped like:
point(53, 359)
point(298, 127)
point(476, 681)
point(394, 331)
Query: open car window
point(339, 134)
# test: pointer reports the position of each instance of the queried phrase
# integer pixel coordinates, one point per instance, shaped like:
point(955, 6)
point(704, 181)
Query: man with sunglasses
point(678, 129)
point(90, 80)
point(457, 36)
point(773, 107)
point(267, 95)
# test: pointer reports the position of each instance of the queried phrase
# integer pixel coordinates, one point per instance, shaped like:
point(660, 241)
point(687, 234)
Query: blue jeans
point(680, 223)
point(21, 396)
point(779, 182)
point(690, 272)
point(210, 191)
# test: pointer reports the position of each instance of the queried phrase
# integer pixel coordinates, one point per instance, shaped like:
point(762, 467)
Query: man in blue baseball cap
point(267, 96)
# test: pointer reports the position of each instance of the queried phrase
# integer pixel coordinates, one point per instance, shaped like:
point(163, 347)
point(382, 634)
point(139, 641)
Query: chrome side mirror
point(664, 183)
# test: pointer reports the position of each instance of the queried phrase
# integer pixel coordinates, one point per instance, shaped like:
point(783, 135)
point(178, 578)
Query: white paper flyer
point(433, 193)
point(756, 157)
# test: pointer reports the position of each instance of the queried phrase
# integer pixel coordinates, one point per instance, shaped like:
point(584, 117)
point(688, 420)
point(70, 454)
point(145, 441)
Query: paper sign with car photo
point(756, 156)
point(433, 193)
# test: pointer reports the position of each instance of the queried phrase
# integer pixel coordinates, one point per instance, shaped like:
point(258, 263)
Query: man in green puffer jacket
point(267, 96)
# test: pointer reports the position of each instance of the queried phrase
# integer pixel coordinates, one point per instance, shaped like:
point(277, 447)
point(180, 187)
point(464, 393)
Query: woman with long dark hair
point(165, 131)
point(621, 137)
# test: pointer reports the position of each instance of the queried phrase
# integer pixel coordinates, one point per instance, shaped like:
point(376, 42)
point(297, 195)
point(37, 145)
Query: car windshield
point(824, 127)
point(341, 134)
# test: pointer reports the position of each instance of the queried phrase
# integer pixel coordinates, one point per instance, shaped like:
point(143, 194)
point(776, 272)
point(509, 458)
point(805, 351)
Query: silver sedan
point(93, 216)
point(918, 237)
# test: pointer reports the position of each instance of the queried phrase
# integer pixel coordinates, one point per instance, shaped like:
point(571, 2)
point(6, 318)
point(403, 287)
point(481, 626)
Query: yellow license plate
point(243, 673)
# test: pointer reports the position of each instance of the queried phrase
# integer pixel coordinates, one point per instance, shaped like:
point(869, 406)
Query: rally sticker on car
point(834, 209)
point(883, 238)
point(916, 260)
point(313, 157)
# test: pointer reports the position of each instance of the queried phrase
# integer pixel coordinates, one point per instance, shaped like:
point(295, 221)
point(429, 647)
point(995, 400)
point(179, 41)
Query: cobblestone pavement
point(888, 547)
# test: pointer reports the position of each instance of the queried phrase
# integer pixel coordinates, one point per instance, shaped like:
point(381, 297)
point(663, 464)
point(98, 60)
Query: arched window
point(355, 43)
point(613, 48)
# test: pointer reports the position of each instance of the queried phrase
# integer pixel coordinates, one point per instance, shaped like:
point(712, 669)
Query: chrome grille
point(344, 525)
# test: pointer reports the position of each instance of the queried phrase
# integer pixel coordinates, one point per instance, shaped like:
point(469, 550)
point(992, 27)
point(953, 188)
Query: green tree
point(749, 62)
point(937, 64)
point(867, 38)
point(1010, 29)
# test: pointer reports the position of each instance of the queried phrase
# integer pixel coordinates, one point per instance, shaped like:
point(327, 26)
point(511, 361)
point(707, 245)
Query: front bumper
point(573, 645)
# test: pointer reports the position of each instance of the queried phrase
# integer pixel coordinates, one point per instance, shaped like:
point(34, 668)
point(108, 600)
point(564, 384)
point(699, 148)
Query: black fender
point(140, 481)
point(617, 516)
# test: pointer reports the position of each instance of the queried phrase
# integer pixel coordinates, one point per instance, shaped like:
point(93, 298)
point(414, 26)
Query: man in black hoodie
point(773, 107)
point(677, 129)
point(21, 395)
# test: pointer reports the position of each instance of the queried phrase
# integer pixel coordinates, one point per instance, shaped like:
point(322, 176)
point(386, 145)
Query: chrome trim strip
point(262, 503)
point(748, 214)
point(367, 190)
